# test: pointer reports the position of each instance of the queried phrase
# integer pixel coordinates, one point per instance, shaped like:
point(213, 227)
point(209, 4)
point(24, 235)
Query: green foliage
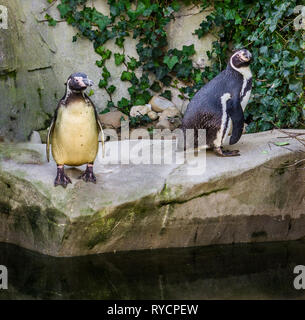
point(146, 22)
point(265, 27)
point(52, 22)
point(139, 120)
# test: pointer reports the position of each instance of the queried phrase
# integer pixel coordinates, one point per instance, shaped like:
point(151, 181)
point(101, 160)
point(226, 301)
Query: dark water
point(257, 271)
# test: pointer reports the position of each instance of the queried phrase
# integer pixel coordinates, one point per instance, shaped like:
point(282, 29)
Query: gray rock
point(204, 201)
point(43, 135)
point(181, 31)
point(159, 104)
point(113, 119)
point(153, 115)
point(170, 112)
point(163, 124)
point(35, 137)
point(140, 110)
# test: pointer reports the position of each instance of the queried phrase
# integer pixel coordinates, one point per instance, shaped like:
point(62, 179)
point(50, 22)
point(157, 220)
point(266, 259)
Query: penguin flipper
point(236, 114)
point(48, 139)
point(102, 132)
point(98, 123)
point(51, 128)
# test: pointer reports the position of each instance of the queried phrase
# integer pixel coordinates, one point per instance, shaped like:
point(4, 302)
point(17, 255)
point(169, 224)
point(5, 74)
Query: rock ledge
point(140, 206)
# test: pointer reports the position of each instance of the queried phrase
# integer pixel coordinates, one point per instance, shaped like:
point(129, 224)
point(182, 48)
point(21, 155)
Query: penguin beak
point(249, 55)
point(246, 56)
point(88, 82)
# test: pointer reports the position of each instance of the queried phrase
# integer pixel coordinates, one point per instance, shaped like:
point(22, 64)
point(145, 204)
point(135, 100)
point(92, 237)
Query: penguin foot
point(226, 153)
point(61, 179)
point(88, 175)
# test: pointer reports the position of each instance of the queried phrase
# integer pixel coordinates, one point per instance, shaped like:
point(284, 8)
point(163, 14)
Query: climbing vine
point(265, 27)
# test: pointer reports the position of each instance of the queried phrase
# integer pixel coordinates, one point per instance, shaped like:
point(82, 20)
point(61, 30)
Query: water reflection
point(256, 271)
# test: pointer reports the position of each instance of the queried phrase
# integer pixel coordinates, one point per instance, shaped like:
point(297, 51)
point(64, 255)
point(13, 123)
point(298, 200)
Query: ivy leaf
point(64, 9)
point(134, 14)
point(106, 110)
point(120, 42)
point(119, 58)
point(100, 63)
point(161, 72)
point(184, 70)
point(101, 20)
point(176, 5)
point(51, 21)
point(166, 80)
point(103, 83)
point(123, 103)
point(188, 50)
point(155, 87)
point(290, 96)
point(110, 104)
point(132, 64)
point(126, 76)
point(111, 89)
point(106, 74)
point(132, 90)
point(230, 14)
point(140, 101)
point(238, 19)
point(263, 50)
point(296, 87)
point(103, 52)
point(167, 94)
point(170, 61)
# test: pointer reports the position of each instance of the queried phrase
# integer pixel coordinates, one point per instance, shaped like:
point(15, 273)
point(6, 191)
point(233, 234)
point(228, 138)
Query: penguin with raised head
point(74, 131)
point(220, 104)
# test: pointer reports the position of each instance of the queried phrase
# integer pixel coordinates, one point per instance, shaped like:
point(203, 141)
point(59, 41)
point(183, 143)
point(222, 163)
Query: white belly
point(218, 141)
point(75, 136)
point(245, 100)
point(229, 130)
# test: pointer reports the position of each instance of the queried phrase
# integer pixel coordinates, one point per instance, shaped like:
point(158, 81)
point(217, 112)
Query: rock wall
point(36, 60)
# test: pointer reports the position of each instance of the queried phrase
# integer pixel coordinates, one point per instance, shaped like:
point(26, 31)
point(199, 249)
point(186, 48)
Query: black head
point(78, 82)
point(241, 58)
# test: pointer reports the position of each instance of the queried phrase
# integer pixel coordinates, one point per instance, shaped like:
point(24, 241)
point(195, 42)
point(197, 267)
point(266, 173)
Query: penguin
point(220, 104)
point(74, 131)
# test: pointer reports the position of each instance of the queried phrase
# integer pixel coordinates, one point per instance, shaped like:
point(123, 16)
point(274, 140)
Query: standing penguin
point(74, 131)
point(220, 104)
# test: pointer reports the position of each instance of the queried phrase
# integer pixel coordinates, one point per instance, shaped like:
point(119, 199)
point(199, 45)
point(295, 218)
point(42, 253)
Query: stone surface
point(43, 135)
point(163, 124)
point(181, 32)
point(170, 112)
point(153, 115)
point(112, 120)
point(35, 137)
point(36, 60)
point(137, 205)
point(181, 104)
point(159, 104)
point(140, 110)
